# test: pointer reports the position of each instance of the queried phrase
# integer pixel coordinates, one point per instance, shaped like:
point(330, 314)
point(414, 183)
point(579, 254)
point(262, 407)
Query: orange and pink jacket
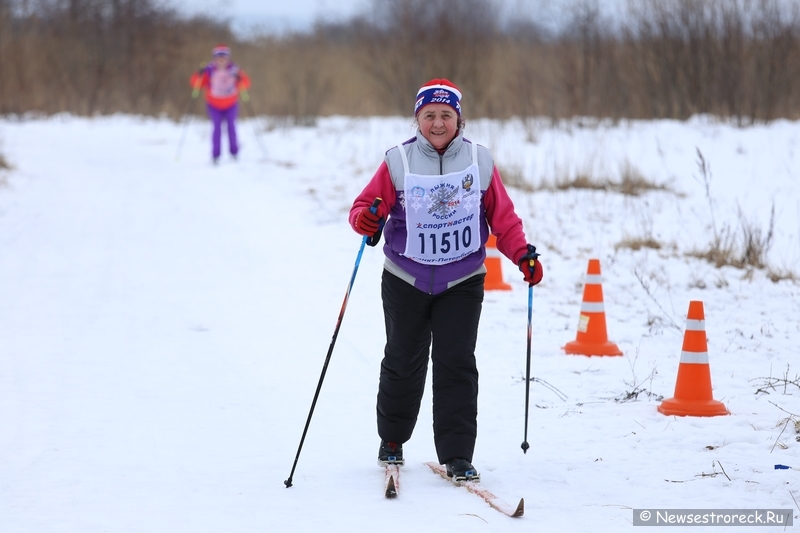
point(221, 86)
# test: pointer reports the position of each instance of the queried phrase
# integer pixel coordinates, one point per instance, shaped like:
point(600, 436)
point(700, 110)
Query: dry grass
point(630, 182)
point(5, 166)
point(637, 243)
point(781, 274)
point(513, 176)
point(746, 246)
point(731, 59)
point(581, 181)
point(633, 183)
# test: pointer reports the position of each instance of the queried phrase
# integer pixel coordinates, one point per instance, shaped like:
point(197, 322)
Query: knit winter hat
point(438, 91)
point(221, 50)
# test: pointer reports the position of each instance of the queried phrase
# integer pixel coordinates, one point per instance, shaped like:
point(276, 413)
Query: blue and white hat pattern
point(438, 91)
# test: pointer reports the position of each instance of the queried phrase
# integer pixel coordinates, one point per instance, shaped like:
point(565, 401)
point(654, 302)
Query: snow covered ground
point(163, 325)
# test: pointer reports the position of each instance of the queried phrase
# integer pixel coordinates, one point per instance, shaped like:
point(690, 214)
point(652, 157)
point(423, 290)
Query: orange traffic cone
point(592, 338)
point(494, 273)
point(693, 386)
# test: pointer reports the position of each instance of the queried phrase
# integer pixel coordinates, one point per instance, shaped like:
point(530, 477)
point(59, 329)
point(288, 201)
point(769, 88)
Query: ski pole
point(248, 107)
point(532, 262)
point(195, 93)
point(288, 482)
point(185, 129)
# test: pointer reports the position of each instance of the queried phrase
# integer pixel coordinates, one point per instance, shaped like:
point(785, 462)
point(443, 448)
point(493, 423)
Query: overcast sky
point(272, 15)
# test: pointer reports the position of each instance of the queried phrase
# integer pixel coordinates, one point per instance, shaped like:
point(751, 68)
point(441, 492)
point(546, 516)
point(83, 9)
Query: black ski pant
point(448, 322)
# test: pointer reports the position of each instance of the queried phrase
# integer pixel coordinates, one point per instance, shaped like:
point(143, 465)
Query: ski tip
point(520, 509)
point(391, 488)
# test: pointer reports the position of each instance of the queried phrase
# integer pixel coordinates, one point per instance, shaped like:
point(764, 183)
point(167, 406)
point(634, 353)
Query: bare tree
point(665, 59)
point(407, 42)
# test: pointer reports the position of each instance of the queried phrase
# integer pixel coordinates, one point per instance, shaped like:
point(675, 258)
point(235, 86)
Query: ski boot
point(390, 453)
point(462, 470)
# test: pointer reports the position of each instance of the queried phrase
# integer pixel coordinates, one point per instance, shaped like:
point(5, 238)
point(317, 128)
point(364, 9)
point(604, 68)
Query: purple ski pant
point(217, 116)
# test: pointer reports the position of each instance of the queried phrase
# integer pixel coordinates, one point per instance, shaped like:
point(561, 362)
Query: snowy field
point(164, 322)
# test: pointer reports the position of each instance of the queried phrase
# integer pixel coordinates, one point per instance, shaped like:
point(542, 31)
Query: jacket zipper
point(433, 267)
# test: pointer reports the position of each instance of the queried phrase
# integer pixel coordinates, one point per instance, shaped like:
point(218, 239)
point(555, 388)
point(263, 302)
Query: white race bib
point(442, 214)
point(223, 83)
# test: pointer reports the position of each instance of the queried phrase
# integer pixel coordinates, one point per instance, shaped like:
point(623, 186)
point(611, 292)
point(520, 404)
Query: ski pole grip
point(375, 239)
point(374, 207)
point(533, 255)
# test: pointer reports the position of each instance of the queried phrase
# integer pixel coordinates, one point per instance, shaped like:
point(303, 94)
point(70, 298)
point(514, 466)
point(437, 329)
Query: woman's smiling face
point(439, 124)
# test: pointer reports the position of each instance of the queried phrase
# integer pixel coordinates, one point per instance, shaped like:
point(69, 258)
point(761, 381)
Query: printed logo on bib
point(467, 182)
point(444, 201)
point(470, 198)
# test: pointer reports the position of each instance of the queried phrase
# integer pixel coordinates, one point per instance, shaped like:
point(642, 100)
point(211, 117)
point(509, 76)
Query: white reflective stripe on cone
point(694, 357)
point(592, 307)
point(695, 325)
point(493, 252)
point(593, 279)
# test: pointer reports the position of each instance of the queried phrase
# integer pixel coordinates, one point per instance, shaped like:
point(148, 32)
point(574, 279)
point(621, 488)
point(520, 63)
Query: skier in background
point(222, 81)
point(441, 196)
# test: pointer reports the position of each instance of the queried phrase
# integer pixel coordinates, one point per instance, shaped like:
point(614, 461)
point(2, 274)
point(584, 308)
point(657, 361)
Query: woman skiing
point(441, 197)
point(222, 81)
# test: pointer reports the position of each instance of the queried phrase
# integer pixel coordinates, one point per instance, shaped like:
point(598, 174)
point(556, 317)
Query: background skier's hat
point(221, 50)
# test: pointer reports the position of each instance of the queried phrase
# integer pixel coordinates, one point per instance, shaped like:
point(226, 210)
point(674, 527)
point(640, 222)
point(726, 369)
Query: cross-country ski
point(483, 493)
